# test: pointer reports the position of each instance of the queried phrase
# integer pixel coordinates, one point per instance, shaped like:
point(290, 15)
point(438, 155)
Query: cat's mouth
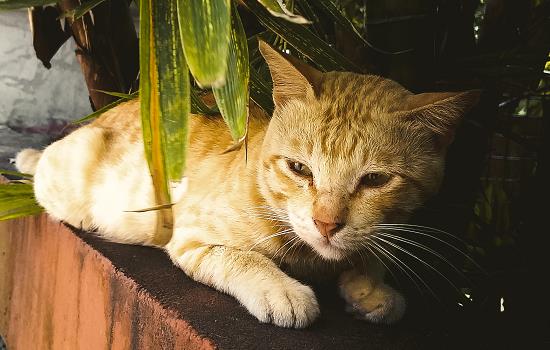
point(328, 249)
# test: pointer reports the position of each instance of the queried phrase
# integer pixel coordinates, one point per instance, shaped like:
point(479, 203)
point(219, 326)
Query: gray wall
point(30, 94)
point(35, 103)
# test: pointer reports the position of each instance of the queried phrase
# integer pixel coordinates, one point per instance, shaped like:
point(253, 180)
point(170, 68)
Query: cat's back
point(98, 174)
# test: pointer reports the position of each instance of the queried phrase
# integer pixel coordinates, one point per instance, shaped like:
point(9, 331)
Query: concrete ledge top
point(219, 317)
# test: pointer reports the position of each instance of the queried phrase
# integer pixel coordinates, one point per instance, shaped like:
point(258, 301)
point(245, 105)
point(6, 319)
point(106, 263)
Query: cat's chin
point(329, 252)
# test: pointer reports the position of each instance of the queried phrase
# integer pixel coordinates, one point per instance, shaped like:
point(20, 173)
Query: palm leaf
point(303, 40)
point(278, 9)
point(164, 87)
point(232, 96)
point(15, 173)
point(82, 9)
point(17, 200)
point(199, 107)
point(106, 107)
point(334, 13)
point(205, 28)
point(260, 92)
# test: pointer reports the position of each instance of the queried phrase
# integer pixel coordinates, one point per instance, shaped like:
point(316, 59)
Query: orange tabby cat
point(342, 154)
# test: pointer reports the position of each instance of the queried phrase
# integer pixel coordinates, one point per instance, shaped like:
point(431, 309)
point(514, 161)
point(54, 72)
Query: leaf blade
point(205, 29)
point(17, 200)
point(232, 96)
point(164, 91)
point(278, 9)
point(81, 9)
point(303, 40)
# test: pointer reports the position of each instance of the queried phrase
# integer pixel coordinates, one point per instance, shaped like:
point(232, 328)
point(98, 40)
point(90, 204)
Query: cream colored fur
point(238, 222)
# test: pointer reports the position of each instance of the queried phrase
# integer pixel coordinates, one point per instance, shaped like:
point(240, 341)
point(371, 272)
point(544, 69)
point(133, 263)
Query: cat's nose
point(327, 229)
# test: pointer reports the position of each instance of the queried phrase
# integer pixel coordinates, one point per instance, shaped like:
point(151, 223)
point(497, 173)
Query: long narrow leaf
point(120, 94)
point(164, 90)
point(17, 200)
point(260, 92)
point(303, 40)
point(278, 9)
point(330, 8)
point(174, 87)
point(15, 173)
point(17, 4)
point(82, 9)
point(199, 107)
point(106, 107)
point(205, 28)
point(232, 97)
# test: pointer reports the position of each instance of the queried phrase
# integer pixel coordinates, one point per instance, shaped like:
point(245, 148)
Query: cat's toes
point(287, 304)
point(377, 304)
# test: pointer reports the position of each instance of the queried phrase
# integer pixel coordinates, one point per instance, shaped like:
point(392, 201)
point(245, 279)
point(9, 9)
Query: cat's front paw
point(377, 303)
point(285, 303)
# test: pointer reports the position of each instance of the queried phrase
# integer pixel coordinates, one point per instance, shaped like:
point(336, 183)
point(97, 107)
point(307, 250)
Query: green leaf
point(260, 92)
point(164, 96)
point(82, 9)
point(303, 40)
point(232, 96)
point(120, 94)
point(15, 173)
point(124, 97)
point(278, 9)
point(17, 4)
point(17, 200)
point(330, 8)
point(205, 29)
point(199, 107)
point(173, 87)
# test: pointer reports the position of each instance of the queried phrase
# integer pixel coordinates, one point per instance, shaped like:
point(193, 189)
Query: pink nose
point(327, 229)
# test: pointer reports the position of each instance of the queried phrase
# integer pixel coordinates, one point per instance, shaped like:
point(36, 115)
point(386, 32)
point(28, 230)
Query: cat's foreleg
point(259, 285)
point(370, 298)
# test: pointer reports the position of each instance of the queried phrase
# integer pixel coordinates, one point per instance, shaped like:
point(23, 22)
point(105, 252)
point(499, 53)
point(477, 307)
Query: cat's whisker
point(404, 267)
point(396, 246)
point(282, 233)
point(422, 227)
point(284, 245)
point(288, 250)
point(425, 248)
point(395, 227)
point(269, 216)
point(368, 247)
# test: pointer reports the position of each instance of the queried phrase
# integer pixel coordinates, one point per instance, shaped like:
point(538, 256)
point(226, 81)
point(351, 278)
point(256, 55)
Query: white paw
point(378, 303)
point(286, 303)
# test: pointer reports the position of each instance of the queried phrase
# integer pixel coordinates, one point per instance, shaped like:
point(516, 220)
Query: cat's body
point(305, 197)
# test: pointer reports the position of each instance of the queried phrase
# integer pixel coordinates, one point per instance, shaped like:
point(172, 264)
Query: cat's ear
point(292, 78)
point(440, 112)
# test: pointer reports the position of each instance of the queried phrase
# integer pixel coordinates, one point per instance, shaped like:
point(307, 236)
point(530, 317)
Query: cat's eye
point(299, 168)
point(375, 179)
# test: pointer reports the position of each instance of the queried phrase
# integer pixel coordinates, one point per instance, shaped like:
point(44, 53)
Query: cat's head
point(345, 152)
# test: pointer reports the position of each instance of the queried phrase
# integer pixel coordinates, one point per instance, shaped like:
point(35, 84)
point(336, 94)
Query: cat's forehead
point(345, 95)
point(348, 120)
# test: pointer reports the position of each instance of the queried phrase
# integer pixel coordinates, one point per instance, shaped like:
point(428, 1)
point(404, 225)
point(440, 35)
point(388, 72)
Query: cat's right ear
point(292, 78)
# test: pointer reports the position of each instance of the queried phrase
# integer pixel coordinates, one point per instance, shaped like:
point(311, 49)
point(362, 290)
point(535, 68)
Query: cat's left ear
point(292, 78)
point(440, 112)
